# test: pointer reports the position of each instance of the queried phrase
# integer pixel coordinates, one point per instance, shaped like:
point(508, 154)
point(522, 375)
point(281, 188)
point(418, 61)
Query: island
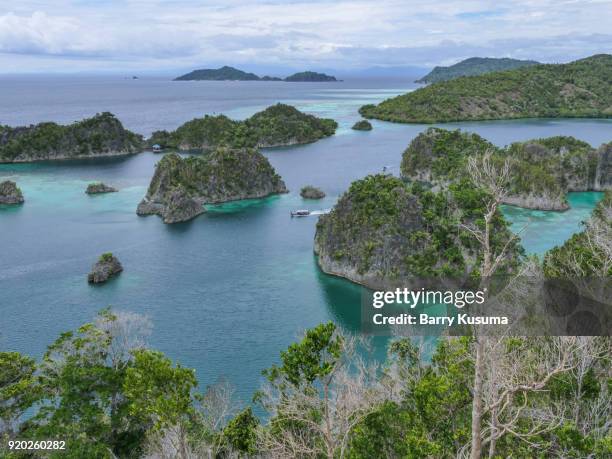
point(107, 266)
point(276, 126)
point(543, 170)
point(99, 187)
point(310, 77)
point(180, 187)
point(311, 192)
point(474, 66)
point(580, 89)
point(10, 193)
point(384, 233)
point(100, 136)
point(362, 125)
point(227, 73)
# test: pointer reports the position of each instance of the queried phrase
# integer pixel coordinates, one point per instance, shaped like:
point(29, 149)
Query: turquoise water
point(229, 290)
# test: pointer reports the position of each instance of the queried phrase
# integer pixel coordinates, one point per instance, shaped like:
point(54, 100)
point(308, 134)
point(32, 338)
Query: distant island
point(580, 89)
point(543, 170)
point(180, 187)
point(474, 66)
point(101, 135)
point(227, 73)
point(278, 125)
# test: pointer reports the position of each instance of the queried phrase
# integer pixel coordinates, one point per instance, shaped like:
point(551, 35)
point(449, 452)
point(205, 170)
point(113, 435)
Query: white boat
point(300, 213)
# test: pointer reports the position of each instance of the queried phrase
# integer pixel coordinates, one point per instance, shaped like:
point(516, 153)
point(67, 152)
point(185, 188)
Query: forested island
point(101, 135)
point(278, 125)
point(180, 187)
point(10, 193)
point(383, 232)
point(474, 66)
point(580, 89)
point(227, 73)
point(543, 170)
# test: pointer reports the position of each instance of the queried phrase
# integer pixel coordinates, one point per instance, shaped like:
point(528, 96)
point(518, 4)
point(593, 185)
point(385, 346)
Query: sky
point(164, 36)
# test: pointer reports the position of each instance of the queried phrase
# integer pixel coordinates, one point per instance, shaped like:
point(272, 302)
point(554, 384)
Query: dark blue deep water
point(227, 291)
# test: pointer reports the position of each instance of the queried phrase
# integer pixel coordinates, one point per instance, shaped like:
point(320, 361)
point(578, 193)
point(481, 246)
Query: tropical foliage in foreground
point(580, 89)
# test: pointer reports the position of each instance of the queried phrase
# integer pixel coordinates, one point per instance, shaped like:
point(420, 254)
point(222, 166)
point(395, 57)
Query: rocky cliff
point(180, 187)
point(384, 234)
point(543, 170)
point(107, 266)
point(101, 135)
point(10, 193)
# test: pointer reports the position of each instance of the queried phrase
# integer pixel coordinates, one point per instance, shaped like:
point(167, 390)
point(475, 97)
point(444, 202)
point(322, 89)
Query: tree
point(16, 390)
point(317, 396)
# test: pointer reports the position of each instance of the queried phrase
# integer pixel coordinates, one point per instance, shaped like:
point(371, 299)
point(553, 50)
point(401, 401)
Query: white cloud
point(350, 33)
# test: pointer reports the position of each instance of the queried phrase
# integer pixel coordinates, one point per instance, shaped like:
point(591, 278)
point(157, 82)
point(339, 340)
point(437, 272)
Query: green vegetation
point(423, 225)
point(100, 135)
point(233, 74)
point(106, 257)
point(362, 125)
point(223, 73)
point(581, 89)
point(310, 77)
point(474, 66)
point(543, 170)
point(278, 125)
point(106, 394)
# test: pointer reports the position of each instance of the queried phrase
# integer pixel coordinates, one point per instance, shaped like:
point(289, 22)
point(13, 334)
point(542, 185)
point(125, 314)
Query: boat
point(300, 213)
point(157, 148)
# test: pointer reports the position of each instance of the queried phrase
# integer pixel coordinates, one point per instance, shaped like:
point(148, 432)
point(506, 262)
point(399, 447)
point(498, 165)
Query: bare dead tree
point(343, 398)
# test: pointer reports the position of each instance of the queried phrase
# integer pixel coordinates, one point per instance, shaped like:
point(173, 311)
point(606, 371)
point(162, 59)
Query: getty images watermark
point(521, 306)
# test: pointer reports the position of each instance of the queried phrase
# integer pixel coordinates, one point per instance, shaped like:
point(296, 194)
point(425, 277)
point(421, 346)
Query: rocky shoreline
point(180, 187)
point(106, 267)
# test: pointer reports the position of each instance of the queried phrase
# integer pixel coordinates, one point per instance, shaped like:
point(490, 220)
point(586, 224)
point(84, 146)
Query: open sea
point(229, 290)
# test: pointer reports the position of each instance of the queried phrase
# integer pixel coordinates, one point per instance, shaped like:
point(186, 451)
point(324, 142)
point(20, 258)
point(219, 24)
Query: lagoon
point(229, 290)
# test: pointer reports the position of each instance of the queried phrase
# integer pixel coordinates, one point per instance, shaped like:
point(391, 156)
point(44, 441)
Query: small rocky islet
point(180, 187)
point(311, 192)
point(543, 170)
point(99, 188)
point(362, 125)
point(10, 193)
point(106, 267)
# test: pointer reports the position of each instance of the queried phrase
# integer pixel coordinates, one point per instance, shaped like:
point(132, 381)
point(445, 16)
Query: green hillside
point(474, 66)
point(580, 89)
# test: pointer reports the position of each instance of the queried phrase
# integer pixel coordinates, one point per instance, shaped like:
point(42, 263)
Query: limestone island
point(99, 187)
point(311, 192)
point(543, 170)
point(227, 73)
point(277, 126)
point(384, 233)
point(107, 266)
point(10, 193)
point(580, 89)
point(180, 187)
point(99, 136)
point(474, 66)
point(362, 125)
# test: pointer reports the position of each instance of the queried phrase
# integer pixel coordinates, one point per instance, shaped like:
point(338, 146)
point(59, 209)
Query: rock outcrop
point(99, 187)
point(311, 192)
point(383, 234)
point(10, 193)
point(101, 135)
point(362, 125)
point(543, 170)
point(107, 266)
point(180, 187)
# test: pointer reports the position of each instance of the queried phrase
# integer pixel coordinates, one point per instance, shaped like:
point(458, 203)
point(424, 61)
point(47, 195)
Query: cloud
point(342, 34)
